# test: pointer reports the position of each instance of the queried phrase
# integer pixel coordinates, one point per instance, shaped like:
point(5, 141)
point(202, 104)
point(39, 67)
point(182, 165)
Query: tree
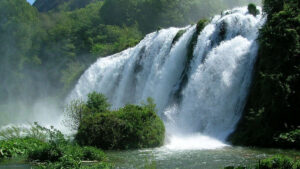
point(74, 113)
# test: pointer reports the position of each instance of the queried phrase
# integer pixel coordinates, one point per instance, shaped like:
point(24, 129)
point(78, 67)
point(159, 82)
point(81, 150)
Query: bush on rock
point(130, 127)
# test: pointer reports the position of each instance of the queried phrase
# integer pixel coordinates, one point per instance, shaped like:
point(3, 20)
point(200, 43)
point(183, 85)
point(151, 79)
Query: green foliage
point(71, 74)
point(44, 53)
point(91, 153)
point(11, 132)
point(72, 164)
point(130, 127)
point(97, 103)
point(273, 6)
point(18, 20)
point(74, 113)
point(290, 139)
point(18, 141)
point(252, 9)
point(54, 152)
point(69, 156)
point(152, 14)
point(58, 152)
point(271, 114)
point(46, 153)
point(178, 36)
point(15, 147)
point(276, 162)
point(77, 109)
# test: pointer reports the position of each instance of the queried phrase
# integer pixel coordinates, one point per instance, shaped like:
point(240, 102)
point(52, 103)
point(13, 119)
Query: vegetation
point(276, 162)
point(18, 147)
point(50, 151)
point(252, 9)
point(178, 36)
point(271, 116)
point(190, 53)
point(130, 127)
point(45, 53)
point(46, 47)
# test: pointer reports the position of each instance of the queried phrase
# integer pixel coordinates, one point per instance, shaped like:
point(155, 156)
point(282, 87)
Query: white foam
point(193, 142)
point(219, 76)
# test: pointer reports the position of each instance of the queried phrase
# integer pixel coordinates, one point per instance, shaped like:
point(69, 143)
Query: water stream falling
point(210, 99)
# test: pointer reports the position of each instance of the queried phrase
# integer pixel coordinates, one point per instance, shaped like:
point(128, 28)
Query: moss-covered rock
point(190, 54)
point(252, 9)
point(178, 36)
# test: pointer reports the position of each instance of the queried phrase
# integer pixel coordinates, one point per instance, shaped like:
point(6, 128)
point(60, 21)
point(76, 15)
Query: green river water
point(163, 158)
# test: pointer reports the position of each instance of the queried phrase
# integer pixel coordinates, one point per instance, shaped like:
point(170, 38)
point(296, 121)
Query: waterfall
point(218, 75)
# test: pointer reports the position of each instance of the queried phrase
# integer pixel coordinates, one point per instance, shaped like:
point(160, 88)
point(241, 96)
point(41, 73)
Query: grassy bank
point(48, 148)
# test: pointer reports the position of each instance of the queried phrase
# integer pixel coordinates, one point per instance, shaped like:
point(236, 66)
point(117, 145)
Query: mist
point(43, 54)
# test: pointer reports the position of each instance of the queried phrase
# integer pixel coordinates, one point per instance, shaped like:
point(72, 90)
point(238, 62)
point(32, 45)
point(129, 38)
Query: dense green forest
point(271, 117)
point(46, 47)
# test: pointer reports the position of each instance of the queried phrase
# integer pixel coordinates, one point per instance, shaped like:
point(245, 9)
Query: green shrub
point(78, 109)
point(56, 153)
point(48, 152)
point(18, 147)
point(72, 164)
point(74, 113)
point(97, 103)
point(65, 162)
point(297, 165)
point(40, 144)
point(91, 153)
point(252, 9)
point(276, 162)
point(74, 156)
point(289, 139)
point(127, 128)
point(84, 153)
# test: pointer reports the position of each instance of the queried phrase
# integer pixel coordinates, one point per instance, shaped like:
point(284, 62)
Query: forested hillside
point(271, 117)
point(46, 47)
point(56, 5)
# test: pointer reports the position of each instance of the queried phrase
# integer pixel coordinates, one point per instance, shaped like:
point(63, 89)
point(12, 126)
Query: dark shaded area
point(47, 5)
point(271, 117)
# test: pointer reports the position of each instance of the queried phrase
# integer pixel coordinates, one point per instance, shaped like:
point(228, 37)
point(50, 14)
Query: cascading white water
point(212, 98)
